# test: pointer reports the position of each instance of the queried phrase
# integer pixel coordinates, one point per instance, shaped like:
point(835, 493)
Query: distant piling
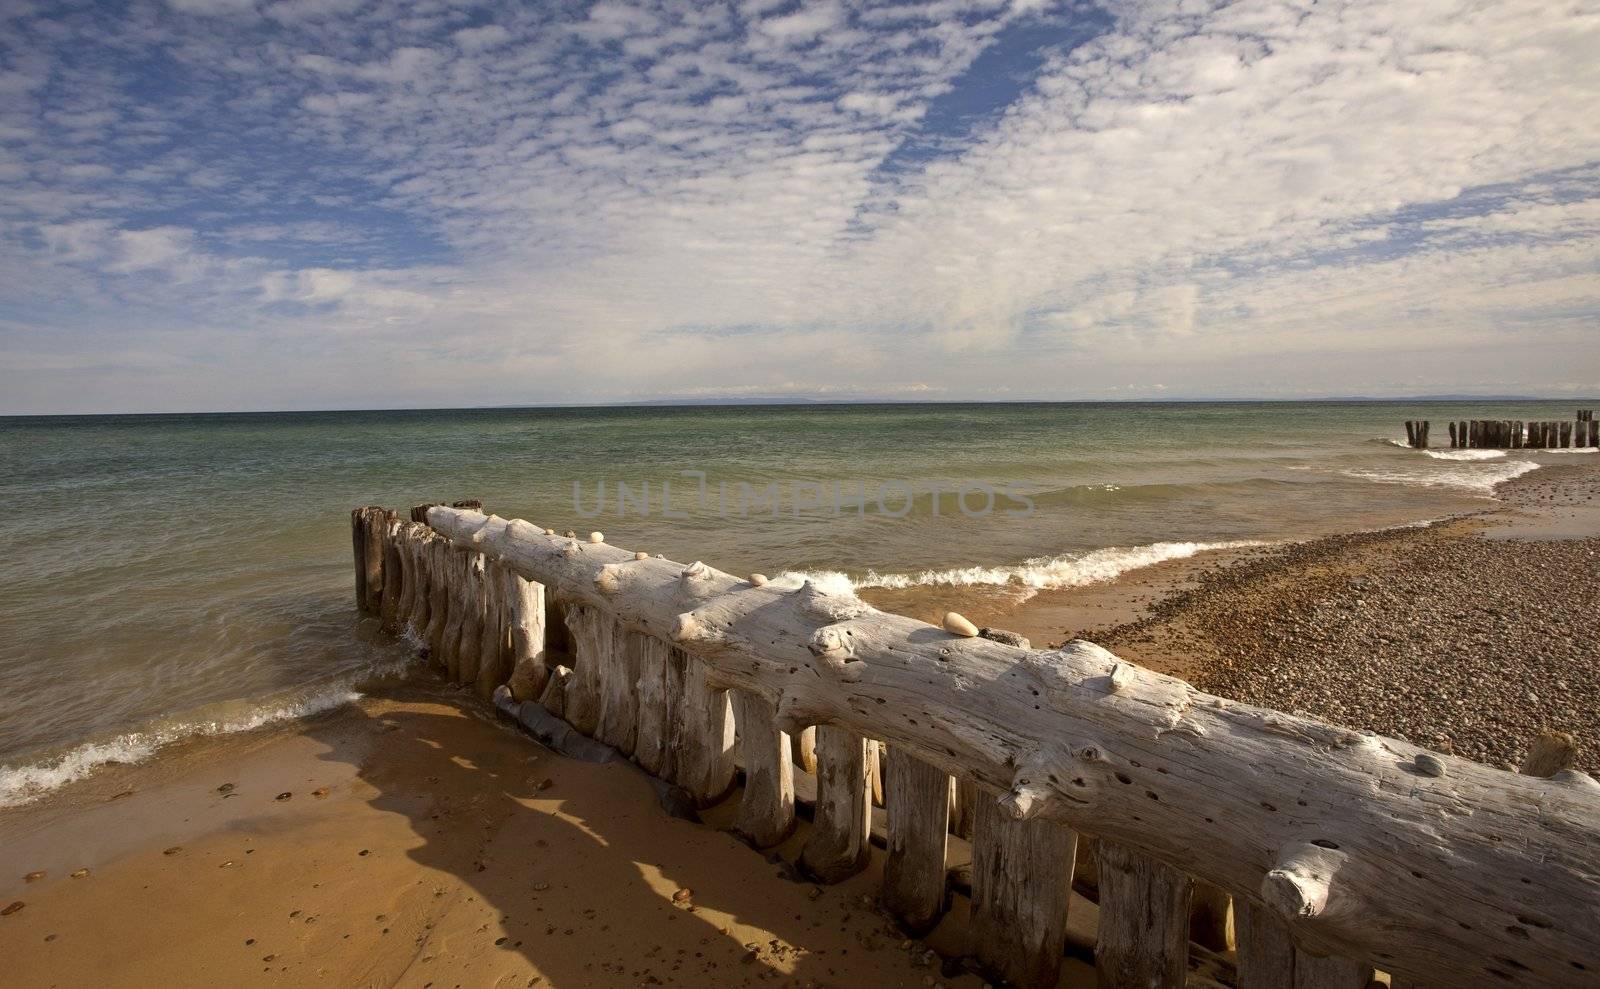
point(1512, 434)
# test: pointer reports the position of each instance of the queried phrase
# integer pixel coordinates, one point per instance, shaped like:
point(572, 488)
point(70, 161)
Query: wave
point(26, 783)
point(1466, 454)
point(1479, 479)
point(1028, 577)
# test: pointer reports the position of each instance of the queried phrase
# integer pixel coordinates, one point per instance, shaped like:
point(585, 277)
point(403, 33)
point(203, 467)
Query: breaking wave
point(25, 783)
point(1028, 577)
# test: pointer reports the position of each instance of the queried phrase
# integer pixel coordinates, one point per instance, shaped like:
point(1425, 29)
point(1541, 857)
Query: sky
point(290, 204)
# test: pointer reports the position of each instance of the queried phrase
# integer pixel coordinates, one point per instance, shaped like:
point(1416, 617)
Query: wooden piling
point(1021, 885)
point(657, 704)
point(591, 642)
point(703, 738)
point(1143, 937)
point(1411, 433)
point(839, 844)
point(469, 654)
point(917, 807)
point(766, 809)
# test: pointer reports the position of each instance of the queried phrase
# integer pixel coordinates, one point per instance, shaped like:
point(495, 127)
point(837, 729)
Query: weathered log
point(592, 631)
point(1453, 442)
point(1143, 937)
point(1142, 763)
point(839, 845)
point(917, 808)
point(1550, 753)
point(703, 738)
point(766, 809)
point(1021, 884)
point(525, 615)
point(1565, 439)
point(657, 704)
point(418, 544)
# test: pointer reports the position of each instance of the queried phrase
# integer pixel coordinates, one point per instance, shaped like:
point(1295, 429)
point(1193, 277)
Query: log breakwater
point(1511, 434)
point(1338, 853)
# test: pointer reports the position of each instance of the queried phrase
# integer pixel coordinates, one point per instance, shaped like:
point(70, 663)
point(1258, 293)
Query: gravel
point(1437, 635)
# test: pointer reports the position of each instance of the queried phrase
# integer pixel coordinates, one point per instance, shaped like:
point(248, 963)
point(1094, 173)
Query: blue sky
point(245, 204)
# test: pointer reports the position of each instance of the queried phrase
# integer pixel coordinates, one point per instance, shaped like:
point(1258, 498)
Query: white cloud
point(659, 194)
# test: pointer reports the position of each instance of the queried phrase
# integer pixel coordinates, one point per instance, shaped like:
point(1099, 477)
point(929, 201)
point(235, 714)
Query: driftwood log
point(1359, 846)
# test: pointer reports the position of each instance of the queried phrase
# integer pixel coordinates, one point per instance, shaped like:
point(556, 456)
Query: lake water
point(168, 575)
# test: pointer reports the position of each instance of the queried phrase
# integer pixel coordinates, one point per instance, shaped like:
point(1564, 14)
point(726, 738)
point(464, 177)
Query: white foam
point(1565, 449)
point(1477, 478)
point(22, 784)
point(1030, 576)
point(1466, 454)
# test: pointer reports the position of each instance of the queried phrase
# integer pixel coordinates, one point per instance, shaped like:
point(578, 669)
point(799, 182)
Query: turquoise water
point(167, 574)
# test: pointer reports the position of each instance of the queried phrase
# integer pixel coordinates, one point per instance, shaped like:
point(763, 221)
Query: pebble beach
point(1470, 635)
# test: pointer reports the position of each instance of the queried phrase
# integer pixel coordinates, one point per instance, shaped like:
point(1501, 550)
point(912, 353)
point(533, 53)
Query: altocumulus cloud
point(312, 203)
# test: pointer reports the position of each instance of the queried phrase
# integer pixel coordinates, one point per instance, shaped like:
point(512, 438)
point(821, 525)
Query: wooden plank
point(964, 808)
point(1021, 884)
point(917, 806)
point(766, 809)
point(703, 742)
point(655, 712)
point(442, 556)
point(838, 846)
point(358, 544)
point(1143, 937)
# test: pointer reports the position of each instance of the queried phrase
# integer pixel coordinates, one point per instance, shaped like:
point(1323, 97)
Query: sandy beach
point(415, 839)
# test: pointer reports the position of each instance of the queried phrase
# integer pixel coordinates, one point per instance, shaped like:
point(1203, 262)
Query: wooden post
point(917, 805)
point(766, 810)
point(1566, 435)
point(1411, 433)
point(805, 749)
point(1329, 972)
point(703, 741)
point(389, 541)
point(658, 706)
point(1021, 884)
point(493, 670)
point(591, 641)
point(358, 543)
point(469, 652)
point(619, 698)
point(1550, 753)
point(525, 615)
point(1425, 428)
point(1266, 953)
point(963, 813)
point(1453, 442)
point(441, 557)
point(1143, 938)
point(839, 844)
